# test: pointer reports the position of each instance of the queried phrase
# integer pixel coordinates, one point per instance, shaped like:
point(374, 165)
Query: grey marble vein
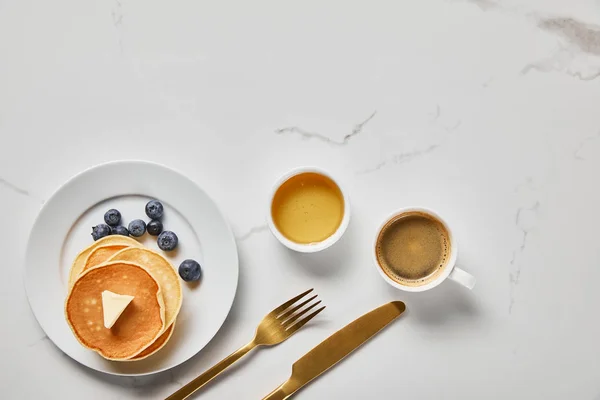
point(436, 114)
point(117, 19)
point(117, 15)
point(454, 126)
point(527, 184)
point(484, 4)
point(584, 36)
point(399, 159)
point(19, 190)
point(589, 77)
point(14, 188)
point(550, 64)
point(254, 230)
point(583, 144)
point(487, 82)
point(515, 274)
point(579, 39)
point(38, 341)
point(314, 135)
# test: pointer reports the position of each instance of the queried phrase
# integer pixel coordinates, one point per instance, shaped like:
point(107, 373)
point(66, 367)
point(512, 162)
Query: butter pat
point(113, 305)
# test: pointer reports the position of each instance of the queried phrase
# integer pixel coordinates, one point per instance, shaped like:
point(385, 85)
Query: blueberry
point(137, 227)
point(100, 230)
point(154, 227)
point(167, 241)
point(154, 209)
point(112, 217)
point(120, 230)
point(189, 270)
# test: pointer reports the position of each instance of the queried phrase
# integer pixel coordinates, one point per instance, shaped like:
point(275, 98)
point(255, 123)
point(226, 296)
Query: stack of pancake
point(122, 265)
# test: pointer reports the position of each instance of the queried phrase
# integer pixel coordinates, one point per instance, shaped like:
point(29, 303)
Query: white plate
point(63, 228)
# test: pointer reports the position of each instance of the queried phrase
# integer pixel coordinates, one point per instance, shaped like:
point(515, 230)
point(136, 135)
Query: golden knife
point(337, 346)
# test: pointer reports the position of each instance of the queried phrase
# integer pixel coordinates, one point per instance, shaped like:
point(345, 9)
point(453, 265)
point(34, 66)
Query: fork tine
point(286, 314)
point(294, 318)
point(294, 328)
point(288, 303)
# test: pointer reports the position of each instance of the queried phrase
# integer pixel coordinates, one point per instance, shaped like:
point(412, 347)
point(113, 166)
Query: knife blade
point(337, 346)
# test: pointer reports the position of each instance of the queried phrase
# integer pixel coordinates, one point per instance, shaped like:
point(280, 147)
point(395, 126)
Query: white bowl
point(309, 247)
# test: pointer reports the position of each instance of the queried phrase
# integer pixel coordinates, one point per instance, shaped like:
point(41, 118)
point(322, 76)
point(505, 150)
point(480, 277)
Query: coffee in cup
point(415, 251)
point(413, 248)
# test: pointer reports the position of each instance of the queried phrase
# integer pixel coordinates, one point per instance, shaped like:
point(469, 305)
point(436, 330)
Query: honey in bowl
point(308, 208)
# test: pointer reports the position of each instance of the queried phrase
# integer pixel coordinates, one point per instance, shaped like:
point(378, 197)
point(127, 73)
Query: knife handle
point(210, 374)
point(277, 394)
point(285, 391)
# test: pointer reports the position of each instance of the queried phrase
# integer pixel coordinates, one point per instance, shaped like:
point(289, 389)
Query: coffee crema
point(413, 248)
point(308, 208)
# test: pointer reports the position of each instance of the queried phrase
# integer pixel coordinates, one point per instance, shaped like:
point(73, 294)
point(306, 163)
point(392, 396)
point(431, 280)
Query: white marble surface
point(484, 110)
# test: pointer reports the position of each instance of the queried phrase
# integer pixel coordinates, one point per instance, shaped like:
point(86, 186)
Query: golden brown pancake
point(79, 262)
point(101, 254)
point(142, 322)
point(157, 345)
point(162, 271)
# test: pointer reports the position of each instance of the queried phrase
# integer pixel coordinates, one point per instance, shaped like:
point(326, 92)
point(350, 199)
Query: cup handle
point(462, 277)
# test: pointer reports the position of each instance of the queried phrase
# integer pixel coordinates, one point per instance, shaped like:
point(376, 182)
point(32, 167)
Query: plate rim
point(138, 162)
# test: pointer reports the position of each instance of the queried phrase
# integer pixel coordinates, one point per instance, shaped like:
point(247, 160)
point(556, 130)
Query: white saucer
point(63, 228)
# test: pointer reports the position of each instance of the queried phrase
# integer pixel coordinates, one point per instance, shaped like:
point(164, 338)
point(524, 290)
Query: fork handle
point(210, 374)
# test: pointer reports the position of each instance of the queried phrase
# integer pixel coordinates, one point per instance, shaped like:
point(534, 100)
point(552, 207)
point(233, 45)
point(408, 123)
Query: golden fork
point(275, 327)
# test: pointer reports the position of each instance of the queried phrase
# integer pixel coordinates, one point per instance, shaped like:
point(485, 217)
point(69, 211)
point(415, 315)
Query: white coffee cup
point(310, 247)
point(450, 269)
